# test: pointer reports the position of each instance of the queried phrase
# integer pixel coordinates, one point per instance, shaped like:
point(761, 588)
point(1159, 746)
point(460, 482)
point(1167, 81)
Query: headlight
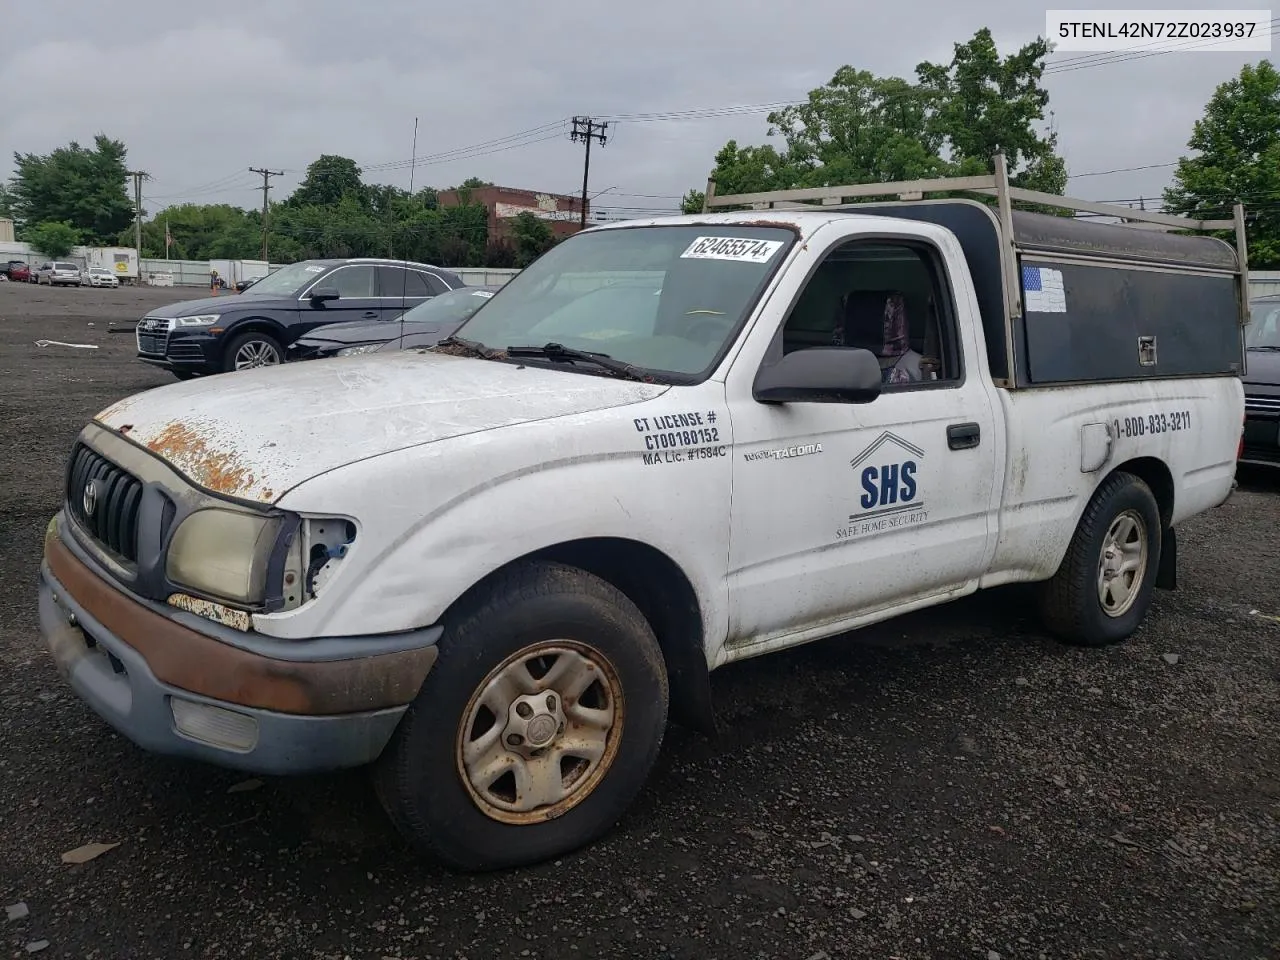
point(203, 320)
point(223, 553)
point(363, 348)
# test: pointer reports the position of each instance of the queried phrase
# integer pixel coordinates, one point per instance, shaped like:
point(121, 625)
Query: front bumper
point(190, 350)
point(1261, 432)
point(175, 690)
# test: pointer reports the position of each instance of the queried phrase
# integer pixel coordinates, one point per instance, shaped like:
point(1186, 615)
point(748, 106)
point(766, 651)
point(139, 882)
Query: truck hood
point(256, 434)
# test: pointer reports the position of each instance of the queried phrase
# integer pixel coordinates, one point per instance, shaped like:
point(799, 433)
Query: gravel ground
point(950, 785)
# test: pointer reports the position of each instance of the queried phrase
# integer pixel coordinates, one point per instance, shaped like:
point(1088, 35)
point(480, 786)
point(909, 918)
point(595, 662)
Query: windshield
point(1263, 332)
point(453, 306)
point(65, 266)
point(667, 298)
point(289, 280)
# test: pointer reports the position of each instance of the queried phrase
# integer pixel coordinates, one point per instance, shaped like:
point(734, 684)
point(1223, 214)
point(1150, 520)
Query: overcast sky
point(201, 92)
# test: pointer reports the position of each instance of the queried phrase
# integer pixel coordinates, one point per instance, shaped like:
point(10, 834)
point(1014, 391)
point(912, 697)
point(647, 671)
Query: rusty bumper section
point(175, 690)
point(183, 658)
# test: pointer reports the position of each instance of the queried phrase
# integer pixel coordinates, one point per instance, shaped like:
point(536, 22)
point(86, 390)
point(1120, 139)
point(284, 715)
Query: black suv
point(252, 329)
point(1262, 384)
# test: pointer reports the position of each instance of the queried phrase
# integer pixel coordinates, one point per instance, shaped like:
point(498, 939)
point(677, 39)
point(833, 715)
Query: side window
point(395, 281)
point(437, 285)
point(888, 298)
point(352, 283)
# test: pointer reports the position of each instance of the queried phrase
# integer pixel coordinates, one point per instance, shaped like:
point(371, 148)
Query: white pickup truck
point(488, 568)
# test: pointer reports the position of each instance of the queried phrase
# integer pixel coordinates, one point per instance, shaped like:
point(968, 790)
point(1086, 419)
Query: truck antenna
point(404, 274)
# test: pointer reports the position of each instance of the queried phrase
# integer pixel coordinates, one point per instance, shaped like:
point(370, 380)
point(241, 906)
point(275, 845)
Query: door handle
point(963, 436)
point(370, 315)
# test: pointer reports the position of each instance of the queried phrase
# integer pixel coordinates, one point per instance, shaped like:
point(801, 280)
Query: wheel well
point(1155, 474)
point(663, 594)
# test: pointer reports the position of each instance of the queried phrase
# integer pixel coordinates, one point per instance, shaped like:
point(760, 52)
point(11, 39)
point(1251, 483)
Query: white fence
point(195, 273)
point(1264, 282)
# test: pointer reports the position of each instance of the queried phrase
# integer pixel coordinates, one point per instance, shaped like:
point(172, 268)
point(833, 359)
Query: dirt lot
point(952, 785)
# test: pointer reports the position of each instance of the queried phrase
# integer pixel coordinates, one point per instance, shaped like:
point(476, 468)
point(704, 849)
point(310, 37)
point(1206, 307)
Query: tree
point(860, 128)
point(532, 237)
point(76, 185)
point(201, 232)
point(983, 105)
point(328, 180)
point(6, 203)
point(54, 239)
point(1238, 141)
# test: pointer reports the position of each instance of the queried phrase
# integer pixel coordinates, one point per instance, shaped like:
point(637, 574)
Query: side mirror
point(820, 375)
point(325, 294)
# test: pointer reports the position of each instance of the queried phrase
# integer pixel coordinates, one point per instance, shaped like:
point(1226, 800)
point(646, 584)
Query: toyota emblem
point(90, 501)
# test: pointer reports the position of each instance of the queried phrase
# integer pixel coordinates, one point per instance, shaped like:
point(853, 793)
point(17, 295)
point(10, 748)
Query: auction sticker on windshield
point(741, 249)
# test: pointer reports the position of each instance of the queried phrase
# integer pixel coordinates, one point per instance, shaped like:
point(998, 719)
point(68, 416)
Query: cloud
point(278, 83)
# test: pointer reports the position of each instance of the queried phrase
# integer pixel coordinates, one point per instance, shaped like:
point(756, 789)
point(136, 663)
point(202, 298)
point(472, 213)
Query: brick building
point(504, 204)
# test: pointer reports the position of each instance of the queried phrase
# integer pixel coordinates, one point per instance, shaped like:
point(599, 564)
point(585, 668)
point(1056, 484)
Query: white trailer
point(121, 261)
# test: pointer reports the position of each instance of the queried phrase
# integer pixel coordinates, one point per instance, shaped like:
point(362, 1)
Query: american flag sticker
point(1043, 291)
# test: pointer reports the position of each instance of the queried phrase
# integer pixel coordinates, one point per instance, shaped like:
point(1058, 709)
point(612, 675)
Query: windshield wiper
point(558, 351)
point(471, 347)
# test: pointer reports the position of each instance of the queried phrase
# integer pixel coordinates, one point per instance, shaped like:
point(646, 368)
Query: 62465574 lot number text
point(1153, 424)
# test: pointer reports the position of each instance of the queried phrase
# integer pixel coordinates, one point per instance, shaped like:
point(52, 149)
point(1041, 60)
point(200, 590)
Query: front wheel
point(535, 729)
point(251, 350)
point(1102, 591)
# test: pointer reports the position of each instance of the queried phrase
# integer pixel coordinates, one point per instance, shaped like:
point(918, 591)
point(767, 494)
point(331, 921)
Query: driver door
point(841, 510)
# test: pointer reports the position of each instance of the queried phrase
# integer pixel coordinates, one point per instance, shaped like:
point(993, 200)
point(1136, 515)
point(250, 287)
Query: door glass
point(397, 281)
point(352, 283)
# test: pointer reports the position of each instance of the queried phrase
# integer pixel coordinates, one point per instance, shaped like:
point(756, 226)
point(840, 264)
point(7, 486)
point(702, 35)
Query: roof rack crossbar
point(834, 198)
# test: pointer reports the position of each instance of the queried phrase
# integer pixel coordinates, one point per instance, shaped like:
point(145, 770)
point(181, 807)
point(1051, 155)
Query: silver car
point(98, 277)
point(58, 273)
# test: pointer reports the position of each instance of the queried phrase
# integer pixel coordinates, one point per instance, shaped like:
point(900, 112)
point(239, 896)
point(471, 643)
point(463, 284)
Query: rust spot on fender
point(126, 428)
point(217, 612)
point(216, 470)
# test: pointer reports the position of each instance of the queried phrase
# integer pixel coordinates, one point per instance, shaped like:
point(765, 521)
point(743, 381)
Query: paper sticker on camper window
point(1043, 291)
point(483, 293)
point(740, 249)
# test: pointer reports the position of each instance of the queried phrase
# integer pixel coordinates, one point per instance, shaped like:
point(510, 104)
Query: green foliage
point(860, 128)
point(532, 236)
point(6, 203)
point(1238, 142)
point(77, 185)
point(692, 202)
point(200, 232)
point(328, 182)
point(53, 239)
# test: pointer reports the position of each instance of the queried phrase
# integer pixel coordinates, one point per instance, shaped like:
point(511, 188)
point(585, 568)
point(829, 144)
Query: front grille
point(1261, 454)
point(116, 498)
point(1262, 404)
point(153, 335)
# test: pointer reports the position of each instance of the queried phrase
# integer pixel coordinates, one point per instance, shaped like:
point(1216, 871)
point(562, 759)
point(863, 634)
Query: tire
point(422, 779)
point(254, 341)
point(1072, 604)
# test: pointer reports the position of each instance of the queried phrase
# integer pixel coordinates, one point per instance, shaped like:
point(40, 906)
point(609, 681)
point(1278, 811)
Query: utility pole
point(586, 130)
point(138, 177)
point(266, 186)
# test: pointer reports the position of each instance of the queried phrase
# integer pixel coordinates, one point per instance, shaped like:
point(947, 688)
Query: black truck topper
point(1144, 303)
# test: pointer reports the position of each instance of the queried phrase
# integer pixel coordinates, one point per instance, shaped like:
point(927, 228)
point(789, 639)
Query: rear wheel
point(1102, 591)
point(535, 729)
point(251, 350)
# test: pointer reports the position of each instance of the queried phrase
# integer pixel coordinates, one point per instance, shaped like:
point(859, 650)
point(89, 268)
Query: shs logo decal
point(888, 483)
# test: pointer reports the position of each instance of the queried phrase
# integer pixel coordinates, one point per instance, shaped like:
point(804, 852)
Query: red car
point(18, 270)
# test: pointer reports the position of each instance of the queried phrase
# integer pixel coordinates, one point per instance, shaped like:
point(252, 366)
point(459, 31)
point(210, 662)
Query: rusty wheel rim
point(540, 732)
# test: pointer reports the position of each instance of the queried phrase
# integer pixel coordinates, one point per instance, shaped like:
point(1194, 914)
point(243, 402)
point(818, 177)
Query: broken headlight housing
point(224, 554)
